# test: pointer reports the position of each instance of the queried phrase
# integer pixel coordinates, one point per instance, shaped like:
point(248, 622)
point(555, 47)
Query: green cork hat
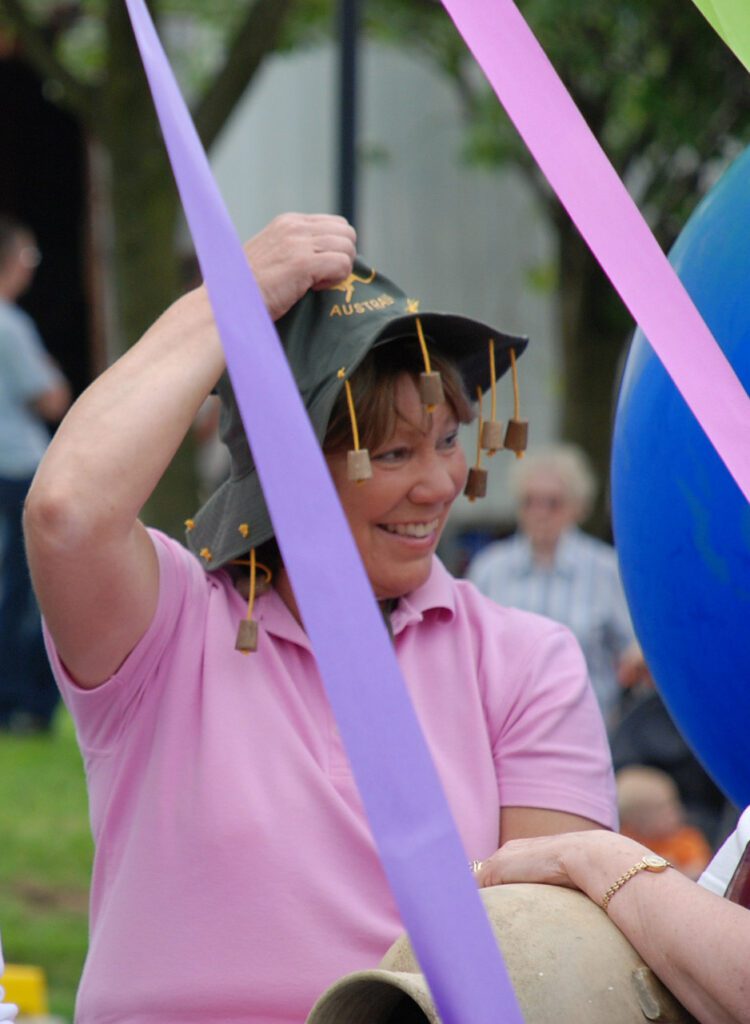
point(325, 331)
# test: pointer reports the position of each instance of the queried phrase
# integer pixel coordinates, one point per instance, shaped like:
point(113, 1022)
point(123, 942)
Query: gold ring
point(476, 865)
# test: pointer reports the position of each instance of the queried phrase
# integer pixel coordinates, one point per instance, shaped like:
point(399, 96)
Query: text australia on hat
point(349, 308)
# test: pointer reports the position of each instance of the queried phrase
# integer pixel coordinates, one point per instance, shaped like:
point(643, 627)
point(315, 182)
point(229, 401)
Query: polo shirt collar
point(277, 620)
point(435, 594)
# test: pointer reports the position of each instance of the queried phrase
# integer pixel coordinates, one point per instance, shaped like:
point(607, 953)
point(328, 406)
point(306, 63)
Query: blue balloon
point(682, 526)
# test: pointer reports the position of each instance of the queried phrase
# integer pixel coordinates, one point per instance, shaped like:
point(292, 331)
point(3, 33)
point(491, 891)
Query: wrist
point(595, 860)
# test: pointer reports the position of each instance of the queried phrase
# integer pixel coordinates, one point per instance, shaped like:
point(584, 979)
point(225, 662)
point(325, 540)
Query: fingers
point(492, 872)
point(296, 252)
point(335, 256)
point(525, 860)
point(322, 220)
point(318, 233)
point(342, 243)
point(331, 229)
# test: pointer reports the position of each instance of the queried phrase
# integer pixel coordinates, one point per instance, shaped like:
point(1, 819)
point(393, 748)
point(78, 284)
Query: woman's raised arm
point(93, 564)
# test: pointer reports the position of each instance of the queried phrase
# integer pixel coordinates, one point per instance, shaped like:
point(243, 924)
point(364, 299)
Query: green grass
point(45, 858)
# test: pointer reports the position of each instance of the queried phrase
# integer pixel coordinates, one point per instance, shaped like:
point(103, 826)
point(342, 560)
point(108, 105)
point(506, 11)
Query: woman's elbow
point(54, 519)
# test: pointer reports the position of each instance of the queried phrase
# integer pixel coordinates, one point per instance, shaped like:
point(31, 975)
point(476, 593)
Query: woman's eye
point(450, 440)
point(392, 455)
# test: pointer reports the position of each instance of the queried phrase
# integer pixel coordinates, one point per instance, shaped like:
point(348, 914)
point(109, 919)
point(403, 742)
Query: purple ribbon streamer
point(587, 185)
point(409, 816)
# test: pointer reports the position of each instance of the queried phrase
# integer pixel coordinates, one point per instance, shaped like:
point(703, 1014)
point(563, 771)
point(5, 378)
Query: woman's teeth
point(412, 529)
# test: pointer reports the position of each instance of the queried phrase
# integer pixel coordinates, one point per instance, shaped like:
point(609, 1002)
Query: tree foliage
point(662, 93)
point(85, 52)
point(669, 103)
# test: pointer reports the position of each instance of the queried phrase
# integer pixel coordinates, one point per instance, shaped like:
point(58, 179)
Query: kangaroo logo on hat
point(349, 284)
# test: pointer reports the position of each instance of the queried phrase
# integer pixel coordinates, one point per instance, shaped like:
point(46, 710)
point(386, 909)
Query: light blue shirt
point(25, 373)
point(581, 589)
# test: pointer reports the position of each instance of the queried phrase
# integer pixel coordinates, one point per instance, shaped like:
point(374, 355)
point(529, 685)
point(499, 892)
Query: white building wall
point(458, 238)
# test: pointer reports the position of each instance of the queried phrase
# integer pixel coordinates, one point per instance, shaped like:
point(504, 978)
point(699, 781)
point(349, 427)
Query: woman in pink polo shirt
point(235, 876)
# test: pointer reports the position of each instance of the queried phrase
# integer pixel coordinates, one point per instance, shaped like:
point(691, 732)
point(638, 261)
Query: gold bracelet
point(649, 862)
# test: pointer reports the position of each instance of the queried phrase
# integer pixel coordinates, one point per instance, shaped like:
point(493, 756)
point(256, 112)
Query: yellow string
point(516, 395)
point(251, 598)
point(493, 383)
point(479, 429)
point(350, 402)
point(423, 345)
point(259, 567)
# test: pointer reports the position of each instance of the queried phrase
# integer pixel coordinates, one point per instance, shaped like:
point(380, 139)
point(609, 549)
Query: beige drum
point(568, 963)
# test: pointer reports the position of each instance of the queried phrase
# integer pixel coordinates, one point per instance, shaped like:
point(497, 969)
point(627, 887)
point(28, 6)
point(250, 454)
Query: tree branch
point(39, 51)
point(256, 37)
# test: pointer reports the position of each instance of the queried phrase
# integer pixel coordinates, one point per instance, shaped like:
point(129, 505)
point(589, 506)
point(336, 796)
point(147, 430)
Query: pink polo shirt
point(235, 876)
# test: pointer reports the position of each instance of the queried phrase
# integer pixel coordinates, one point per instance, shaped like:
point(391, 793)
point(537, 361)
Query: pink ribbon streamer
point(586, 184)
point(409, 816)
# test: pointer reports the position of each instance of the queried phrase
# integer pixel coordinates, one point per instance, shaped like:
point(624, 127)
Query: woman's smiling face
point(397, 517)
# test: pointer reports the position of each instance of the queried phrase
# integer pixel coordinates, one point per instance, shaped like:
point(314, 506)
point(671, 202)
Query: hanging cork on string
point(358, 466)
point(430, 382)
point(491, 437)
point(247, 632)
point(476, 482)
point(247, 637)
point(517, 434)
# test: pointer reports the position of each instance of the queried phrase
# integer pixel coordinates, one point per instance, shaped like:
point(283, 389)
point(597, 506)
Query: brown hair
point(373, 386)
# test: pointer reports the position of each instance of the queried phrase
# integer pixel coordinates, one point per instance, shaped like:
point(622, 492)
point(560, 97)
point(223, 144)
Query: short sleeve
point(548, 738)
point(102, 715)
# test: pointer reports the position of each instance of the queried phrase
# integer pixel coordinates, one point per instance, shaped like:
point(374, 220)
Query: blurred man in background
point(33, 393)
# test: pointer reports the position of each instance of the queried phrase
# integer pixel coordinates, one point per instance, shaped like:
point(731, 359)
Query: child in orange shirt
point(651, 812)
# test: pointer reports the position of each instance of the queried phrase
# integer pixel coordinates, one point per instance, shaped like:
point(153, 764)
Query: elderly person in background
point(551, 567)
